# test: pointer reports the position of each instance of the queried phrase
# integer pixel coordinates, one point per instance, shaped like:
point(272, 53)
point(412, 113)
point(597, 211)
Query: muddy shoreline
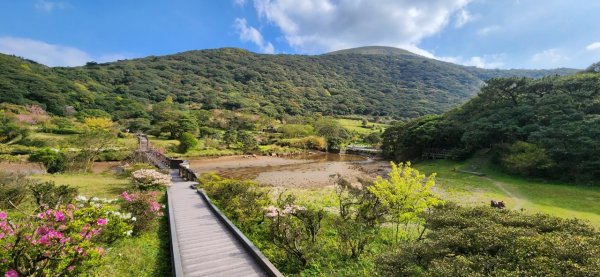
point(304, 171)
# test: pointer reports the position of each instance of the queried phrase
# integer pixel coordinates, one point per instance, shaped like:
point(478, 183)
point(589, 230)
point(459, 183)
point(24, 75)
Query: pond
point(304, 171)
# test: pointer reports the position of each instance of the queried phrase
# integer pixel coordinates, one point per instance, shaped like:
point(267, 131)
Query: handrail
point(161, 160)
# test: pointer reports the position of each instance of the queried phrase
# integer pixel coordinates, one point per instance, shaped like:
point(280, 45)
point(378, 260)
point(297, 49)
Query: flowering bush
point(116, 224)
point(55, 242)
point(294, 228)
point(143, 208)
point(148, 179)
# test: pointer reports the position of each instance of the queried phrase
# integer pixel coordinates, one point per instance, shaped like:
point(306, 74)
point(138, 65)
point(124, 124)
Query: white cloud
point(485, 61)
point(594, 46)
point(49, 6)
point(51, 54)
point(549, 58)
point(313, 26)
point(488, 30)
point(251, 34)
point(239, 2)
point(463, 17)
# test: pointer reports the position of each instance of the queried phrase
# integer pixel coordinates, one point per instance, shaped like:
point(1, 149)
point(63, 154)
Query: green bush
point(483, 241)
point(13, 189)
point(187, 141)
point(311, 142)
point(53, 160)
point(48, 195)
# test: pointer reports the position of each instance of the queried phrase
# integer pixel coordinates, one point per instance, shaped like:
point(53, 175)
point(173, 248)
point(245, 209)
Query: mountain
point(377, 81)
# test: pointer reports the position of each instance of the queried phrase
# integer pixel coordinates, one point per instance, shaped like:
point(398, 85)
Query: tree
point(373, 138)
point(229, 138)
point(96, 124)
point(91, 144)
point(54, 160)
point(249, 143)
point(405, 194)
point(187, 141)
point(526, 159)
point(331, 130)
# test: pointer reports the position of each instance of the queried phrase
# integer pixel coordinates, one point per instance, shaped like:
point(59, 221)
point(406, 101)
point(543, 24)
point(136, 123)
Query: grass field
point(99, 185)
point(355, 125)
point(560, 199)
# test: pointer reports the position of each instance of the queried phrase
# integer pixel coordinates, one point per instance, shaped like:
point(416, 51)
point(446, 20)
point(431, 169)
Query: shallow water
point(303, 171)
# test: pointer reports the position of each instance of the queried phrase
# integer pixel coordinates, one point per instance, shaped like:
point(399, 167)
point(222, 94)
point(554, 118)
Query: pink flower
point(70, 268)
point(59, 216)
point(40, 215)
point(154, 206)
point(101, 221)
point(11, 273)
point(2, 215)
point(127, 196)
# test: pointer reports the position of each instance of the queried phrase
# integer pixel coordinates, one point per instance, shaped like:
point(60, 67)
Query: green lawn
point(99, 185)
point(560, 199)
point(355, 125)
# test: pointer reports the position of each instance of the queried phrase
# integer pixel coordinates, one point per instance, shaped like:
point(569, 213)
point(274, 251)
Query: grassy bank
point(560, 199)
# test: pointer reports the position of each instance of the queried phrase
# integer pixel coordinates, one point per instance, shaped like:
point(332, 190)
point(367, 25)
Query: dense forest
point(373, 81)
point(534, 127)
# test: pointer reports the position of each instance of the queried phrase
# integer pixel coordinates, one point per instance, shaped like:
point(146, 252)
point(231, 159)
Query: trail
point(518, 201)
point(480, 159)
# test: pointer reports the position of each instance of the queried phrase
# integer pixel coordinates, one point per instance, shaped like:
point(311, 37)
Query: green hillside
point(373, 81)
point(545, 127)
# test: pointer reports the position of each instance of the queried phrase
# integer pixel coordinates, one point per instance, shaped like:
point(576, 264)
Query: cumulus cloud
point(314, 26)
point(51, 54)
point(594, 46)
point(549, 58)
point(48, 6)
point(251, 34)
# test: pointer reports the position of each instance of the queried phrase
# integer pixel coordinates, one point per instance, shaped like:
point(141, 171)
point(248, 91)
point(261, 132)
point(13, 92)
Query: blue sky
point(483, 33)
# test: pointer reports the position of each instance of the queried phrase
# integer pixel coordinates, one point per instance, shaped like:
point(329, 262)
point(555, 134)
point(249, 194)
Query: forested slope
point(377, 81)
point(536, 127)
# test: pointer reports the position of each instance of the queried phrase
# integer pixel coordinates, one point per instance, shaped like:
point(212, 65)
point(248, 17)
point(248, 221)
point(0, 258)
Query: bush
point(483, 241)
point(242, 201)
point(144, 209)
point(187, 141)
point(53, 160)
point(56, 242)
point(113, 155)
point(311, 142)
point(13, 190)
point(150, 179)
point(49, 196)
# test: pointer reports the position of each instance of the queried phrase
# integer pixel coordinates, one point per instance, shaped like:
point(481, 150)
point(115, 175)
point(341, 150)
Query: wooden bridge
point(203, 241)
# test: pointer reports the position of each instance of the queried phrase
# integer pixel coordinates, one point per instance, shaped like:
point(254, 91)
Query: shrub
point(242, 201)
point(187, 141)
point(56, 242)
point(53, 160)
point(13, 190)
point(144, 209)
point(311, 142)
point(128, 169)
point(150, 179)
point(49, 195)
point(483, 241)
point(117, 225)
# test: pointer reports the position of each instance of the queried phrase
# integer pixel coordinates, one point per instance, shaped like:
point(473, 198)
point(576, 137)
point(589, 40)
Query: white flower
point(133, 219)
point(95, 199)
point(81, 198)
point(128, 233)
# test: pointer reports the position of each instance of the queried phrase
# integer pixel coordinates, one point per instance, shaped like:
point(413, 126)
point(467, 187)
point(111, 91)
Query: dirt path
point(518, 200)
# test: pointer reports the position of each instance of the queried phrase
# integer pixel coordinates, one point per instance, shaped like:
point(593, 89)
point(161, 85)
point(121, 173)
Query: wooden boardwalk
point(206, 246)
point(203, 241)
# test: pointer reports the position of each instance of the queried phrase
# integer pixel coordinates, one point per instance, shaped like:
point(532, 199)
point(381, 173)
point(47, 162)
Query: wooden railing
point(162, 161)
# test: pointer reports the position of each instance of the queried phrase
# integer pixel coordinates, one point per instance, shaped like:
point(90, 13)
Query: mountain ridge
point(398, 86)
